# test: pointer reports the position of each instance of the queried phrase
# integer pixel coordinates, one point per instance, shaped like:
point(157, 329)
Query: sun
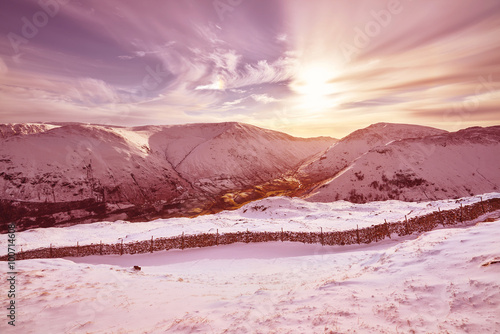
point(314, 86)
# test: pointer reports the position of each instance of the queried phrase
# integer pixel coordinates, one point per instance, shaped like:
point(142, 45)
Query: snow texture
point(437, 283)
point(270, 215)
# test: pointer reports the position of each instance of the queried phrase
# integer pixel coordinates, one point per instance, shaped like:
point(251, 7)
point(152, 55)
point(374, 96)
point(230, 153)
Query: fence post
point(152, 244)
point(77, 249)
point(322, 240)
point(121, 249)
point(482, 204)
point(100, 247)
point(357, 233)
point(461, 213)
point(406, 226)
point(51, 250)
point(217, 238)
point(282, 234)
point(387, 228)
point(20, 254)
point(182, 241)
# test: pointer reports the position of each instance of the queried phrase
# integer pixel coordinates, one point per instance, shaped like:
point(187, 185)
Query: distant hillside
point(67, 173)
point(427, 167)
point(344, 152)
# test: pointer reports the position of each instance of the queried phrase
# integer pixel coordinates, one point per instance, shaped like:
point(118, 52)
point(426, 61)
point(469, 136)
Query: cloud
point(263, 98)
point(225, 60)
point(260, 98)
point(96, 58)
point(217, 84)
point(92, 92)
point(229, 72)
point(282, 37)
point(263, 72)
point(3, 67)
point(232, 103)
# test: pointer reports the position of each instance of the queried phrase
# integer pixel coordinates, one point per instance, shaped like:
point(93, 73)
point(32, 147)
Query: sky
point(307, 68)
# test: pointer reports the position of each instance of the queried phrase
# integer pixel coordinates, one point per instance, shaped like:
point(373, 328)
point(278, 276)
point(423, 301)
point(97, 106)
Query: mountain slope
point(442, 166)
point(244, 152)
point(351, 147)
point(70, 172)
point(67, 173)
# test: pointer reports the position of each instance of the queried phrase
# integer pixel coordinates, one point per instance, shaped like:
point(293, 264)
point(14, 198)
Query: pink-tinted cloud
point(306, 67)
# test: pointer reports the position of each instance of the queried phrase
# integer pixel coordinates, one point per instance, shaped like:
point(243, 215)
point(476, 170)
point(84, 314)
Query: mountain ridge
point(141, 171)
point(67, 173)
point(447, 165)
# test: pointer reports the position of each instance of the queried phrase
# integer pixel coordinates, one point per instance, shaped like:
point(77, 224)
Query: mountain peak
point(17, 129)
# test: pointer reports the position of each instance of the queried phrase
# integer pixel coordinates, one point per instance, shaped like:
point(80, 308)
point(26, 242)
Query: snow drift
point(444, 281)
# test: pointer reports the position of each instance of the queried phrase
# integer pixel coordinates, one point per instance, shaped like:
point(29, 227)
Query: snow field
point(434, 283)
point(270, 214)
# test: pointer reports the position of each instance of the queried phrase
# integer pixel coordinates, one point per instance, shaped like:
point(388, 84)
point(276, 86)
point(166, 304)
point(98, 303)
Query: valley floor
point(438, 283)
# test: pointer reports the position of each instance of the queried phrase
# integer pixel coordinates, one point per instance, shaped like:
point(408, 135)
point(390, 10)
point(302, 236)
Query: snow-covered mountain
point(344, 152)
point(60, 173)
point(426, 167)
point(72, 171)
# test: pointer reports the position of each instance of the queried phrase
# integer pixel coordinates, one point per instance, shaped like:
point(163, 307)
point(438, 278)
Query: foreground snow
point(270, 214)
point(435, 283)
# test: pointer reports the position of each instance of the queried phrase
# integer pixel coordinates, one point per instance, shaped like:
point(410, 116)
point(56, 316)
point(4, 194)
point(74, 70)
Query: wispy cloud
point(263, 98)
point(126, 62)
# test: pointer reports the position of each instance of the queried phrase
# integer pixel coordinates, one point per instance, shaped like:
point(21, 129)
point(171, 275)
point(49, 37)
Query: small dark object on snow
point(137, 268)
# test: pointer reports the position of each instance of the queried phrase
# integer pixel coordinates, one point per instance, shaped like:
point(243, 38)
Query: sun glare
point(314, 86)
